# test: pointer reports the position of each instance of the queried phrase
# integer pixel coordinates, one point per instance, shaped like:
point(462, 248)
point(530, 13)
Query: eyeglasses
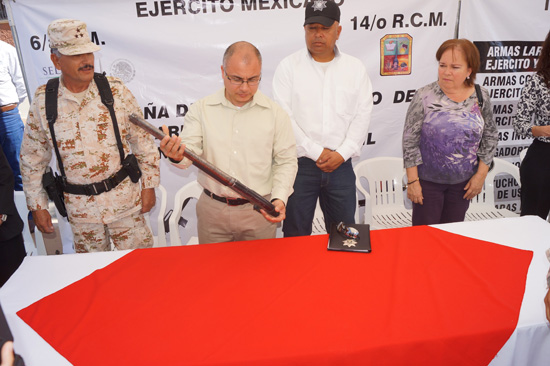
point(235, 80)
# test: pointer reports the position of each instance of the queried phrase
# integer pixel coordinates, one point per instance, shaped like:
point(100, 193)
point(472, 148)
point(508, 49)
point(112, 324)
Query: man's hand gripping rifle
point(256, 199)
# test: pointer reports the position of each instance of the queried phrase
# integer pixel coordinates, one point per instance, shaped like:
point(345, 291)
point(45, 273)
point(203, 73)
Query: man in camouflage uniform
point(88, 149)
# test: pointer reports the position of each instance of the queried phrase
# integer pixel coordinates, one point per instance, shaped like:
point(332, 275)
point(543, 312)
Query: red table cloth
point(422, 297)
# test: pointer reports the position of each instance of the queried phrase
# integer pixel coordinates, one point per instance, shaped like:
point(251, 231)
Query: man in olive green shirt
point(248, 136)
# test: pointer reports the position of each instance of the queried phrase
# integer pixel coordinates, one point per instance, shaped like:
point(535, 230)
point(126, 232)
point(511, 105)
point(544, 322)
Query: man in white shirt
point(12, 93)
point(328, 96)
point(246, 135)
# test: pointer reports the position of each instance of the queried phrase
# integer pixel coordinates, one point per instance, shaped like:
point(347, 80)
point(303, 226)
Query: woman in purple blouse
point(448, 141)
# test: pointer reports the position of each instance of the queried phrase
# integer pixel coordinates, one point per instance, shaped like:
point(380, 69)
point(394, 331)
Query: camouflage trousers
point(130, 232)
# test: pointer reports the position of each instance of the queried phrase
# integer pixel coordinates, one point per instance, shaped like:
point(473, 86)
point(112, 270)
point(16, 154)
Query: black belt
point(229, 201)
point(94, 189)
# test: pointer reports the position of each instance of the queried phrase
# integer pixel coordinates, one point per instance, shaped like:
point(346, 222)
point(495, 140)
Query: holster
point(53, 184)
point(130, 164)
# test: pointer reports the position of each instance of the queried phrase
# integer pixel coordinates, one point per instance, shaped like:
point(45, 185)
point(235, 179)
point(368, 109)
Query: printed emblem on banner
point(123, 69)
point(395, 54)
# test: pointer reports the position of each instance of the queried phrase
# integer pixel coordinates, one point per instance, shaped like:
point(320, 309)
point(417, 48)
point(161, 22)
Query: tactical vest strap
point(52, 88)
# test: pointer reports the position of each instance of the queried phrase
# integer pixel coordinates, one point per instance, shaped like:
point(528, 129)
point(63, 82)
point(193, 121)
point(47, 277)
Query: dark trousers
point(535, 180)
point(443, 203)
point(335, 191)
point(12, 253)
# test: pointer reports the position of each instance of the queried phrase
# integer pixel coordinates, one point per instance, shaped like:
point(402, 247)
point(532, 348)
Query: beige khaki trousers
point(219, 222)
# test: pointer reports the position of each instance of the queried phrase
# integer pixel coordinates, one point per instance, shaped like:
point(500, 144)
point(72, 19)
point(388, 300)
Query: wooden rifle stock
point(255, 198)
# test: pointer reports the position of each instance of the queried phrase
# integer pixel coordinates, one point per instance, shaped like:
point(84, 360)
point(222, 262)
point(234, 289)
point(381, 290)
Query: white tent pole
point(458, 18)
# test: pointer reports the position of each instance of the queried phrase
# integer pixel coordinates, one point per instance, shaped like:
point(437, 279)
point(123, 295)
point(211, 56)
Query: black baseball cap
point(324, 12)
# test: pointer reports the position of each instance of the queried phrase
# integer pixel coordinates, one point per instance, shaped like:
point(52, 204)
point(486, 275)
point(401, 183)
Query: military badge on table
point(350, 238)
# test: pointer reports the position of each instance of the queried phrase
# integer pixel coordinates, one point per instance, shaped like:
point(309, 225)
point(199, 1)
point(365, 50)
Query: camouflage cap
point(70, 37)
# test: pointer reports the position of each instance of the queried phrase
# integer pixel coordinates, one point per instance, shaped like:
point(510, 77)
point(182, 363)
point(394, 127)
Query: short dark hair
point(543, 64)
point(471, 53)
point(55, 51)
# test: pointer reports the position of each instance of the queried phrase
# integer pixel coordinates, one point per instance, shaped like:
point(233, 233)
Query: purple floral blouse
point(444, 138)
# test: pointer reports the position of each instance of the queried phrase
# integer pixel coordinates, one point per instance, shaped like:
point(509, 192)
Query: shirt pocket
point(345, 104)
point(69, 145)
point(102, 126)
point(66, 136)
point(105, 134)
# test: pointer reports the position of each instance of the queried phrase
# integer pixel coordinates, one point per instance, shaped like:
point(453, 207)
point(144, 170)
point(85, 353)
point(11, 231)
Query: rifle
point(255, 198)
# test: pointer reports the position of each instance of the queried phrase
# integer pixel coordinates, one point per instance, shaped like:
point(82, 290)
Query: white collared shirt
point(330, 107)
point(12, 86)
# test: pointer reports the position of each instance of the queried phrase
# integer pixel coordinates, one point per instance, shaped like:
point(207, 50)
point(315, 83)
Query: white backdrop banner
point(169, 53)
point(509, 39)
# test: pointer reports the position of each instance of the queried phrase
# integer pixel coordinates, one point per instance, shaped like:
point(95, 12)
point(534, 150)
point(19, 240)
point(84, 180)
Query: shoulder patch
point(40, 90)
point(114, 80)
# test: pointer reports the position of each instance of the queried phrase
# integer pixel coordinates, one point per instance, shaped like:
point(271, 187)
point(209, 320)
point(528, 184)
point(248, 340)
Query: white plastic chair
point(32, 247)
point(384, 200)
point(522, 154)
point(157, 216)
point(318, 225)
point(189, 191)
point(482, 207)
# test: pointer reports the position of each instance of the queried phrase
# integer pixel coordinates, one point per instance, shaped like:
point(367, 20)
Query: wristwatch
point(3, 217)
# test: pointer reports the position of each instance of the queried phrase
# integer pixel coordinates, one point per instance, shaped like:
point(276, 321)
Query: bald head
point(241, 72)
point(246, 51)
